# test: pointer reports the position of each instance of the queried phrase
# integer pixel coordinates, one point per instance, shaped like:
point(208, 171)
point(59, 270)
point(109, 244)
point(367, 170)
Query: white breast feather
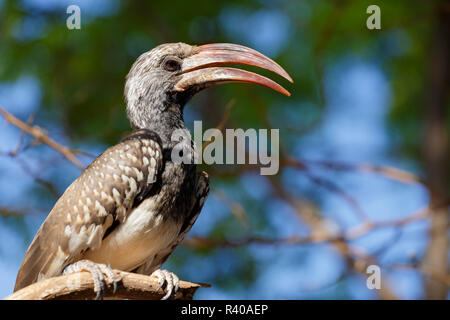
point(142, 235)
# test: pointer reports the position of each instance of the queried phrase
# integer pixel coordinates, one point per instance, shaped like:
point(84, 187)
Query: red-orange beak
point(202, 70)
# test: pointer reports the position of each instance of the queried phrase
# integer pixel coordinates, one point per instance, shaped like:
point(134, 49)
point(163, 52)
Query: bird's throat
point(166, 122)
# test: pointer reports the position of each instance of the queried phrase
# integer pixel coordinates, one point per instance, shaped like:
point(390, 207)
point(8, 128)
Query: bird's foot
point(97, 271)
point(170, 279)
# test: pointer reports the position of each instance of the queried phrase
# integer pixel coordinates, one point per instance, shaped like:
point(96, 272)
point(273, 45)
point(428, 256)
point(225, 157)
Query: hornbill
point(133, 204)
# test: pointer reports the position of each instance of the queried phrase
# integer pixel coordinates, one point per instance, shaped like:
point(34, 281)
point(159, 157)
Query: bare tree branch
point(80, 285)
point(41, 136)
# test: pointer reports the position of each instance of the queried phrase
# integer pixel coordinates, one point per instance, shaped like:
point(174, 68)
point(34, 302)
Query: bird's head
point(162, 80)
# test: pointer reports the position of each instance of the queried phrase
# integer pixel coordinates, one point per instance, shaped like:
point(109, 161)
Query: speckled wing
point(98, 200)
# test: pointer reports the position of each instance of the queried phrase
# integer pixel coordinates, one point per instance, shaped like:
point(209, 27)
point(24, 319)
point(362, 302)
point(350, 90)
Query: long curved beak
point(203, 69)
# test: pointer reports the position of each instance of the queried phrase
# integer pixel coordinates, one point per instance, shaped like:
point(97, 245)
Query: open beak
point(203, 69)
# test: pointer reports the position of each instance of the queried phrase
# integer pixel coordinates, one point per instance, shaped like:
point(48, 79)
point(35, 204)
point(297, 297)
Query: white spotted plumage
point(103, 193)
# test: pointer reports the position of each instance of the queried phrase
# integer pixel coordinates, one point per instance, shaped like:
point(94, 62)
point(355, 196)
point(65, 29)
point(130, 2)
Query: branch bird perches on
point(81, 286)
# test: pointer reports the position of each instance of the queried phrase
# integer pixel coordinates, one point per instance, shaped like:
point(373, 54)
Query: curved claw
point(171, 280)
point(110, 274)
point(97, 271)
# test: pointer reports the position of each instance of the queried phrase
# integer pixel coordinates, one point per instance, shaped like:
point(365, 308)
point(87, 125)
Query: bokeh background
point(364, 177)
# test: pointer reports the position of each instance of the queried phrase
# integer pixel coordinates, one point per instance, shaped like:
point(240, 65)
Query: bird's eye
point(172, 64)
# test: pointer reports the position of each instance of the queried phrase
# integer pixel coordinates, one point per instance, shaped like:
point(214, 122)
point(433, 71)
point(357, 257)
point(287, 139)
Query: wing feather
point(102, 196)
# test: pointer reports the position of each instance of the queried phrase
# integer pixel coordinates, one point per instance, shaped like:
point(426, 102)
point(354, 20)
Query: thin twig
point(357, 232)
point(22, 136)
point(222, 123)
point(41, 136)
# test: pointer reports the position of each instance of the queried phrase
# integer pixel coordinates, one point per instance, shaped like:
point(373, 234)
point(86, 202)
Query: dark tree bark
point(436, 151)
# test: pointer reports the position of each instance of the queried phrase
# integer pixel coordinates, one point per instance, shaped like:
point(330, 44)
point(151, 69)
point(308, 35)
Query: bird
point(133, 205)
